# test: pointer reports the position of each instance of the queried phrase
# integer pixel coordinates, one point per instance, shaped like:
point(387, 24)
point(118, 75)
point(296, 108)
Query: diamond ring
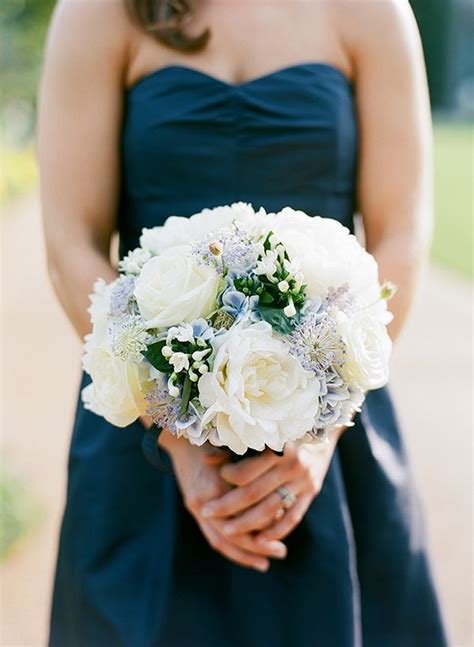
point(287, 497)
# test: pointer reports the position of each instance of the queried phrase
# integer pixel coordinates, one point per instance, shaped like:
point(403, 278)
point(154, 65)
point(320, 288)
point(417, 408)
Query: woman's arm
point(394, 196)
point(78, 124)
point(80, 111)
point(394, 183)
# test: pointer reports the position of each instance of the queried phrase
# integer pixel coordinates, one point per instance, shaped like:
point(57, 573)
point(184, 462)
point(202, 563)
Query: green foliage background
point(23, 25)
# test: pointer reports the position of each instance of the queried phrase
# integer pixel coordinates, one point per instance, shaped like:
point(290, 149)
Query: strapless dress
point(133, 569)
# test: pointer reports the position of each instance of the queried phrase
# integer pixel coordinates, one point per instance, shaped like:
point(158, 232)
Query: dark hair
point(164, 19)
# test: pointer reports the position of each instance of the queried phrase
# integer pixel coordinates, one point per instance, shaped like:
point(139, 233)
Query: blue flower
point(202, 329)
point(236, 304)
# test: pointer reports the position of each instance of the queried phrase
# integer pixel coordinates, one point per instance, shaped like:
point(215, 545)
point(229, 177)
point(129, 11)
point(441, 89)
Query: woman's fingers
point(231, 551)
point(241, 498)
point(260, 516)
point(288, 522)
point(215, 455)
point(273, 549)
point(248, 469)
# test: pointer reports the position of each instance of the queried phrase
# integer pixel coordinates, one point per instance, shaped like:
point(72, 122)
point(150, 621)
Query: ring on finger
point(287, 497)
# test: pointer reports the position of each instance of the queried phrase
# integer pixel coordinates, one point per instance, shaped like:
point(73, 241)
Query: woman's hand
point(198, 474)
point(255, 505)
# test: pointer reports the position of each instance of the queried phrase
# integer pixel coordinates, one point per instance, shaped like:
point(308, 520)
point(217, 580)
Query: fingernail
point(263, 566)
point(280, 551)
point(275, 547)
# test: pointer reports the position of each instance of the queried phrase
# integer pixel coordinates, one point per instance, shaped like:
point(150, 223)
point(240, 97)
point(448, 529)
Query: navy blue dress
point(133, 568)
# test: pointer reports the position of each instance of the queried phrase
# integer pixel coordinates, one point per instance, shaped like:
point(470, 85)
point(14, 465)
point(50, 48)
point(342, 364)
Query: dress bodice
point(190, 140)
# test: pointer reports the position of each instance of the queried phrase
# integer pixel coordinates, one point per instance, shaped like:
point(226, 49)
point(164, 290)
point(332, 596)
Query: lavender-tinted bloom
point(334, 394)
point(340, 298)
point(316, 343)
point(238, 252)
point(164, 410)
point(121, 294)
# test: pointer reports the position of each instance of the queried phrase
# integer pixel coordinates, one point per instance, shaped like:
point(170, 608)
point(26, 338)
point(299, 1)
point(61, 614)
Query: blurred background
point(432, 363)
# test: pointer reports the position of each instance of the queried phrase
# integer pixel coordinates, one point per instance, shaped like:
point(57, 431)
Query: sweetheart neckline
point(243, 84)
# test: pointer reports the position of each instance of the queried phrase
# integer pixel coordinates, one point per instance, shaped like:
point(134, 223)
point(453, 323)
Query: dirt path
point(431, 367)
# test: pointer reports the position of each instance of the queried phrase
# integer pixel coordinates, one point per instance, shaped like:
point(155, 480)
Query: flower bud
point(166, 351)
point(290, 309)
point(283, 286)
point(172, 388)
point(273, 240)
point(199, 355)
point(299, 278)
point(387, 290)
point(215, 248)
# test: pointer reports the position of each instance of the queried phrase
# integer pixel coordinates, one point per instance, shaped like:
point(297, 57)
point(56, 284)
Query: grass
point(454, 180)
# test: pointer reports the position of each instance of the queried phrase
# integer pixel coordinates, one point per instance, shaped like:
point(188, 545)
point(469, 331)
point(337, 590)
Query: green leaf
point(277, 319)
point(265, 297)
point(155, 357)
point(185, 395)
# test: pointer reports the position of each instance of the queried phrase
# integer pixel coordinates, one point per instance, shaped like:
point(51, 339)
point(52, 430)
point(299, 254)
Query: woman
point(322, 106)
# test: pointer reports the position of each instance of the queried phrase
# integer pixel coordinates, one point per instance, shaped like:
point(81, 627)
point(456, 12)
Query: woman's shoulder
point(377, 33)
point(84, 32)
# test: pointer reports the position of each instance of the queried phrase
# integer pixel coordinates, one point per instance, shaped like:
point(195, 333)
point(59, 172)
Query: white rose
point(368, 349)
point(330, 256)
point(257, 394)
point(115, 391)
point(174, 287)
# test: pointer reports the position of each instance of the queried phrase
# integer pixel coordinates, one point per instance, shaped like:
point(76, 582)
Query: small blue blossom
point(202, 330)
point(236, 304)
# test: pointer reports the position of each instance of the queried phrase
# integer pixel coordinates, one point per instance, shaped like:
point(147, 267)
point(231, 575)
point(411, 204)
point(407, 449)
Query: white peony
point(368, 349)
point(256, 224)
point(257, 394)
point(174, 287)
point(330, 256)
point(115, 392)
point(180, 230)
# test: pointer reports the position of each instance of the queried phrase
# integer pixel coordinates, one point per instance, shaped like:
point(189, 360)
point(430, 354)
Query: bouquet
point(242, 328)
